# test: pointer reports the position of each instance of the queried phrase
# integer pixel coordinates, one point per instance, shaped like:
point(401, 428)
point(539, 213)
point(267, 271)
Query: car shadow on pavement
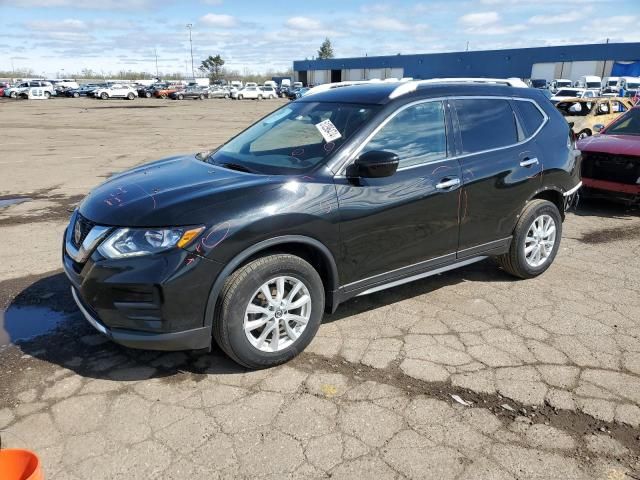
point(73, 344)
point(484, 271)
point(603, 207)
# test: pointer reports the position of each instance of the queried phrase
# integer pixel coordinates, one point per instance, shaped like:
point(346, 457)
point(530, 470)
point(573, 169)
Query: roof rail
point(329, 86)
point(413, 86)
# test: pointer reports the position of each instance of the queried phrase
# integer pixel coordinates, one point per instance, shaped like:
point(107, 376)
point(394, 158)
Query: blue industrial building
point(569, 61)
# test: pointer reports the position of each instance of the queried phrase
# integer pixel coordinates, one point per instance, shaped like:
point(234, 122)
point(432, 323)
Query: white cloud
point(303, 23)
point(74, 4)
point(375, 8)
point(52, 25)
point(219, 20)
point(479, 19)
point(215, 3)
point(559, 18)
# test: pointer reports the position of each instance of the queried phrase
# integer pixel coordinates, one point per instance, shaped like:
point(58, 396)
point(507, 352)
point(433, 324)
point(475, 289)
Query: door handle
point(527, 162)
point(448, 183)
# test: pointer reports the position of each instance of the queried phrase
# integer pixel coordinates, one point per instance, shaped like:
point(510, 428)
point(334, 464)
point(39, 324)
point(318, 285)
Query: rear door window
point(485, 124)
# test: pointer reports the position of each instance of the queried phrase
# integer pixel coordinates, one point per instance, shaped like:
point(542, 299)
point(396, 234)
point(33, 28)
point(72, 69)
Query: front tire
point(202, 96)
point(47, 95)
point(536, 240)
point(131, 96)
point(76, 95)
point(269, 311)
point(147, 94)
point(259, 97)
point(104, 95)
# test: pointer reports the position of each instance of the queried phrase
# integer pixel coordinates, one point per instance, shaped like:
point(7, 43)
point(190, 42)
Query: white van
point(270, 83)
point(590, 82)
point(610, 84)
point(251, 84)
point(297, 85)
point(559, 83)
point(630, 84)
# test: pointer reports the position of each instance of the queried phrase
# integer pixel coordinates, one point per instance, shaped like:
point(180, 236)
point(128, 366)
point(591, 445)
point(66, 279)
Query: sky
point(61, 37)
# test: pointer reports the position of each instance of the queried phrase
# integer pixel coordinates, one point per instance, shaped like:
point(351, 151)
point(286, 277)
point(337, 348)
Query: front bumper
point(194, 339)
point(155, 302)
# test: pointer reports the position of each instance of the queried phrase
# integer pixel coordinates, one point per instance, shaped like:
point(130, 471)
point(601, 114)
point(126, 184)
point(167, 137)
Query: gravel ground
point(467, 375)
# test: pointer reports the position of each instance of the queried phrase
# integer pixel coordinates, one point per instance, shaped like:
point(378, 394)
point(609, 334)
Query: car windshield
point(612, 83)
point(627, 124)
point(633, 84)
point(538, 83)
point(294, 139)
point(567, 92)
point(593, 84)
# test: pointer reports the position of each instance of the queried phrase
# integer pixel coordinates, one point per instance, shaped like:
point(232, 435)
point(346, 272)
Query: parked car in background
point(147, 91)
point(565, 93)
point(217, 91)
point(173, 254)
point(116, 90)
point(610, 85)
point(539, 83)
point(631, 85)
point(248, 92)
point(583, 114)
point(297, 85)
point(3, 87)
point(190, 92)
point(164, 92)
point(82, 91)
point(611, 159)
point(14, 92)
point(559, 83)
point(100, 85)
point(269, 91)
point(297, 93)
point(590, 82)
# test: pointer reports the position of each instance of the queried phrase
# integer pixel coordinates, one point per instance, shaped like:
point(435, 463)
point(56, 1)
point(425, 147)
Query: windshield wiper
point(236, 166)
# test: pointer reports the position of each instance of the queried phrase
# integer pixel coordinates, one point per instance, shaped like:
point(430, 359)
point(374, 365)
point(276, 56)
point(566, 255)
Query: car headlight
point(135, 242)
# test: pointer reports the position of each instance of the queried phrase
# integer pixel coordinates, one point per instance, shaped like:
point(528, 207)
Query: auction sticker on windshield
point(328, 131)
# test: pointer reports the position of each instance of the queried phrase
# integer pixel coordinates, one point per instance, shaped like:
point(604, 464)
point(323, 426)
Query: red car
point(611, 160)
point(3, 86)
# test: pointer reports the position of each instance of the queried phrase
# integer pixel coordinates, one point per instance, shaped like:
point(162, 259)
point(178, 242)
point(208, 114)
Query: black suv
point(341, 193)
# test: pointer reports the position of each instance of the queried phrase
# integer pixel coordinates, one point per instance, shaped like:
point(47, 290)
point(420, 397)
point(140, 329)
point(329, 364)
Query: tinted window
point(485, 124)
point(531, 117)
point(417, 135)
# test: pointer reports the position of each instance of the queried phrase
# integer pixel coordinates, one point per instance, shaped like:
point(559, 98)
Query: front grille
point(84, 227)
point(612, 168)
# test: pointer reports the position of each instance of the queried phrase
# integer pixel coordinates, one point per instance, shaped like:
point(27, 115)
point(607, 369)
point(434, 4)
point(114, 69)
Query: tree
point(326, 49)
point(212, 66)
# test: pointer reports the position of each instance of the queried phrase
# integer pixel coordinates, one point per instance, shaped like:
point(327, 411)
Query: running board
point(430, 273)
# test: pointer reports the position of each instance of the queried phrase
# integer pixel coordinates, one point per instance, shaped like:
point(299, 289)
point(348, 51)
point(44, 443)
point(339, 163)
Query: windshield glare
point(289, 141)
point(628, 124)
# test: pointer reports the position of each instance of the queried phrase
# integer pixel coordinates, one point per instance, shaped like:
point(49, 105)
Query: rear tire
point(231, 327)
point(240, 97)
point(180, 97)
point(259, 97)
point(131, 96)
point(539, 229)
point(147, 94)
point(202, 96)
point(76, 95)
point(47, 94)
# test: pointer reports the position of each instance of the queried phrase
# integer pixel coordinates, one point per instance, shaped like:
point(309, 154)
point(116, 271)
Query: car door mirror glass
point(374, 164)
point(598, 127)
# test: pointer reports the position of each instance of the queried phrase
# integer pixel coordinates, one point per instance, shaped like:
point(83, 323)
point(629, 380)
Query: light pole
point(155, 50)
point(190, 26)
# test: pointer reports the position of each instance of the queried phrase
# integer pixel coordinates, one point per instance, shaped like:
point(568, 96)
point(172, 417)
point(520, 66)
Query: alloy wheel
point(540, 240)
point(277, 314)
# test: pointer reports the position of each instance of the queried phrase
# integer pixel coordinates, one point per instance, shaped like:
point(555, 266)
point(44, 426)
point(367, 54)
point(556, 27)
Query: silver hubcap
point(541, 237)
point(277, 314)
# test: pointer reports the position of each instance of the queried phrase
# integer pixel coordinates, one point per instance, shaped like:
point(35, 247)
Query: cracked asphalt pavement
point(467, 375)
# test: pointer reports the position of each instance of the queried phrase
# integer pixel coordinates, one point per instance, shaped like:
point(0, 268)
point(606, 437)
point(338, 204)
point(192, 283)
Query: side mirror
point(598, 127)
point(374, 164)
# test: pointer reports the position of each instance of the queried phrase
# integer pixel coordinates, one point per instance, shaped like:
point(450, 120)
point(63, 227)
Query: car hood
point(174, 191)
point(612, 144)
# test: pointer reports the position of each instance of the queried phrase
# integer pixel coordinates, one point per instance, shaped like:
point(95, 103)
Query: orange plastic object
point(18, 464)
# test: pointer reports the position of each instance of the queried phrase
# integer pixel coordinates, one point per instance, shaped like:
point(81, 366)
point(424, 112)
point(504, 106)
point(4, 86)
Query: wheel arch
point(554, 196)
point(307, 248)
